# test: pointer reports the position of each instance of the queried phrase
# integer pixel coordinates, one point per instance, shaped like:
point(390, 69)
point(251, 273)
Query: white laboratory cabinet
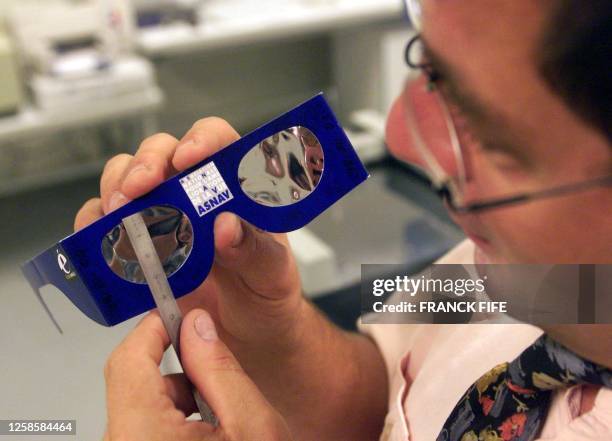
point(244, 63)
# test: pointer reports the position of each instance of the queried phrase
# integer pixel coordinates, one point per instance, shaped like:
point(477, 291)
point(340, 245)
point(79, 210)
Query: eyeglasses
point(441, 137)
point(279, 178)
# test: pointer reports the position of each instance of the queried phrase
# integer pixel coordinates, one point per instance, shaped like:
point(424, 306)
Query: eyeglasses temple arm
point(31, 273)
point(551, 192)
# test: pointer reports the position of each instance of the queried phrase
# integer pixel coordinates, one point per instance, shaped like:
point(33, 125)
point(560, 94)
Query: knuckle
point(274, 427)
point(229, 433)
point(265, 424)
point(114, 161)
point(113, 170)
point(91, 203)
point(112, 365)
point(269, 420)
point(84, 212)
point(213, 125)
point(147, 157)
point(88, 205)
point(211, 120)
point(199, 135)
point(157, 139)
point(225, 364)
point(264, 243)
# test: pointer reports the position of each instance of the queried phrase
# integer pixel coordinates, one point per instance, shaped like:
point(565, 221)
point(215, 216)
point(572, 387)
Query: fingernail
point(205, 327)
point(239, 233)
point(117, 200)
point(186, 143)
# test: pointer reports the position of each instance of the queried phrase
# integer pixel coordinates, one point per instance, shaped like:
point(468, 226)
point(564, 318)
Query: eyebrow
point(470, 104)
point(466, 100)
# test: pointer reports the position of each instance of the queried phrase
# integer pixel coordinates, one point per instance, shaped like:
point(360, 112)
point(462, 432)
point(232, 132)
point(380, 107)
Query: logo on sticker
point(206, 189)
point(64, 266)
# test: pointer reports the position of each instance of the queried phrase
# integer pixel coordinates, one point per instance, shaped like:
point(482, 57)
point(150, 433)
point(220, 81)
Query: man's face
point(528, 137)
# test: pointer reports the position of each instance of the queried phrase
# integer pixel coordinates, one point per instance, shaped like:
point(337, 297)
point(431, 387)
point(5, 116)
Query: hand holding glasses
point(278, 178)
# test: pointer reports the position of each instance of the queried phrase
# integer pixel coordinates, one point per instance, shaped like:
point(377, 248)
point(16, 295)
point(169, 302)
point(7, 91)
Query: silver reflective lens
point(282, 169)
point(171, 233)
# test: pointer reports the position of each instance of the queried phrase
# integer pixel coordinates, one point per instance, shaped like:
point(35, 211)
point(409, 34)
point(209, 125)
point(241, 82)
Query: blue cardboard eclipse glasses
point(279, 177)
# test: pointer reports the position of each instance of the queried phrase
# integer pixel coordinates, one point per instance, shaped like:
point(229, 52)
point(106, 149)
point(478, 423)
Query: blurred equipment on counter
point(71, 39)
point(166, 12)
point(87, 90)
point(124, 76)
point(78, 52)
point(10, 92)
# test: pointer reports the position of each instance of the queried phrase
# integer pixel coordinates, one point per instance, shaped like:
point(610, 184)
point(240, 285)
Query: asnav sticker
point(206, 189)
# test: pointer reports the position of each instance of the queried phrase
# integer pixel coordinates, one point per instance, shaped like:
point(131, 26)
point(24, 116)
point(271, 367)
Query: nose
point(419, 129)
point(398, 137)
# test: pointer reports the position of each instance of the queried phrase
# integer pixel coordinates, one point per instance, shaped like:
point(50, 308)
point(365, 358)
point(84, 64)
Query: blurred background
point(84, 80)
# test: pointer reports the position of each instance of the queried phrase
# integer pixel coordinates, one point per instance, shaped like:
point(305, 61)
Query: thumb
point(214, 371)
point(263, 260)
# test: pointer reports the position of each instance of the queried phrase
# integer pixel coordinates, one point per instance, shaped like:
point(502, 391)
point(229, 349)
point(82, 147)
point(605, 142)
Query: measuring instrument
point(162, 293)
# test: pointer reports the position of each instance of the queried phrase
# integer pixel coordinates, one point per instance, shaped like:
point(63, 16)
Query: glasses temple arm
point(31, 273)
point(552, 192)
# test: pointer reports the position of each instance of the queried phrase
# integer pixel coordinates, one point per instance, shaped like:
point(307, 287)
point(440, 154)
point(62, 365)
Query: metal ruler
point(162, 294)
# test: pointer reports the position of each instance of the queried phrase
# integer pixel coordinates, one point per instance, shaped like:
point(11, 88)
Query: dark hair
point(576, 58)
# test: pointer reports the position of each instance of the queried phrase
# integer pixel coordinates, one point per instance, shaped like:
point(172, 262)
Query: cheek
point(549, 232)
point(515, 234)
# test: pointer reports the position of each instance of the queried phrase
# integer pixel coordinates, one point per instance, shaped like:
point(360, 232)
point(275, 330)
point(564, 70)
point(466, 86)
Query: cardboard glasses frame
point(77, 267)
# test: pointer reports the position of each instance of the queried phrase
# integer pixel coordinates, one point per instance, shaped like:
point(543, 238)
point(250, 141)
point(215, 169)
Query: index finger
point(141, 351)
point(206, 137)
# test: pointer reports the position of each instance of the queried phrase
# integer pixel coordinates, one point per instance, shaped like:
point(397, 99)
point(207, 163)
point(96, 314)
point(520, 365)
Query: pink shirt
point(430, 367)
